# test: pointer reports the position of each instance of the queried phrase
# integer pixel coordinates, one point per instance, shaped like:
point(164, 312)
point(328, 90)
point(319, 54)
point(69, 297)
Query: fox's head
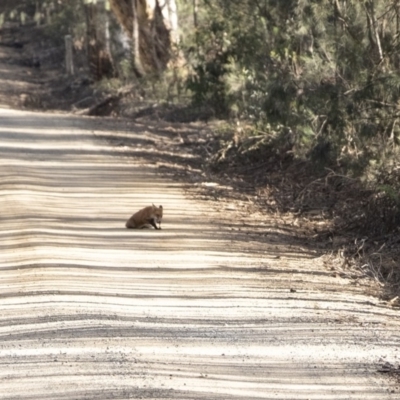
point(158, 213)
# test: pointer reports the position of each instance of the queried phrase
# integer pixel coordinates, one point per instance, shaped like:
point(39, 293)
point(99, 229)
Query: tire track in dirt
point(90, 310)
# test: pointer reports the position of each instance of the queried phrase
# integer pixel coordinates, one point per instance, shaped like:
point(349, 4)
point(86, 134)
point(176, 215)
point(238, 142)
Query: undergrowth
point(363, 210)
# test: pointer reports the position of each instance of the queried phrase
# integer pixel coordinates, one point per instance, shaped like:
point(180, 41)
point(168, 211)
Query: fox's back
point(150, 215)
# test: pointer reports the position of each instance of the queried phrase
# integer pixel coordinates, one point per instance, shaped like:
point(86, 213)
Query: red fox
point(150, 215)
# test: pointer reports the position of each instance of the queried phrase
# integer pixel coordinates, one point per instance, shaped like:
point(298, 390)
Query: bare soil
point(232, 299)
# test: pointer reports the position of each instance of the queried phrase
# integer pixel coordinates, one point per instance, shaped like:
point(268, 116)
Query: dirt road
point(91, 310)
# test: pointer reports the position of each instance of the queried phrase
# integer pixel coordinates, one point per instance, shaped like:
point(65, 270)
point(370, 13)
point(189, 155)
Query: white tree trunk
point(152, 26)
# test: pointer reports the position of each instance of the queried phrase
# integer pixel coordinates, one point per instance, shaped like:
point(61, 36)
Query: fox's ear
point(160, 207)
point(153, 204)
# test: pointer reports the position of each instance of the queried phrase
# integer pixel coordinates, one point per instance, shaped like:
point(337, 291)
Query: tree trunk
point(196, 22)
point(69, 61)
point(152, 27)
point(137, 59)
point(97, 38)
point(372, 28)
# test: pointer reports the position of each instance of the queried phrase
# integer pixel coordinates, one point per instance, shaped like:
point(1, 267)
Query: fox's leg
point(152, 222)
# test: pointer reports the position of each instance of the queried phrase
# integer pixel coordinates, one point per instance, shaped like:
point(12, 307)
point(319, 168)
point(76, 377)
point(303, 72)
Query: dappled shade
point(194, 311)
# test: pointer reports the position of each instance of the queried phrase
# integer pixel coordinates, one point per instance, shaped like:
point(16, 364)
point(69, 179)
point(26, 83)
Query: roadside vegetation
point(307, 91)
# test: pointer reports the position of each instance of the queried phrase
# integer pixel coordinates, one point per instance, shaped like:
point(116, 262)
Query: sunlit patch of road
point(91, 310)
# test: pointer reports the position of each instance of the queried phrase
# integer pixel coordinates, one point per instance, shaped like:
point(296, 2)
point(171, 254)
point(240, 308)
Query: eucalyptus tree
point(98, 48)
point(152, 27)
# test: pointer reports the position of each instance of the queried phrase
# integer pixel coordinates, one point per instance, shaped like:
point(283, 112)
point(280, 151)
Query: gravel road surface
point(91, 310)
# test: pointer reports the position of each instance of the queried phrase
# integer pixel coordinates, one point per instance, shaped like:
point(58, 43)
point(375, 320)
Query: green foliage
point(327, 70)
point(391, 192)
point(208, 86)
point(66, 20)
point(209, 67)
